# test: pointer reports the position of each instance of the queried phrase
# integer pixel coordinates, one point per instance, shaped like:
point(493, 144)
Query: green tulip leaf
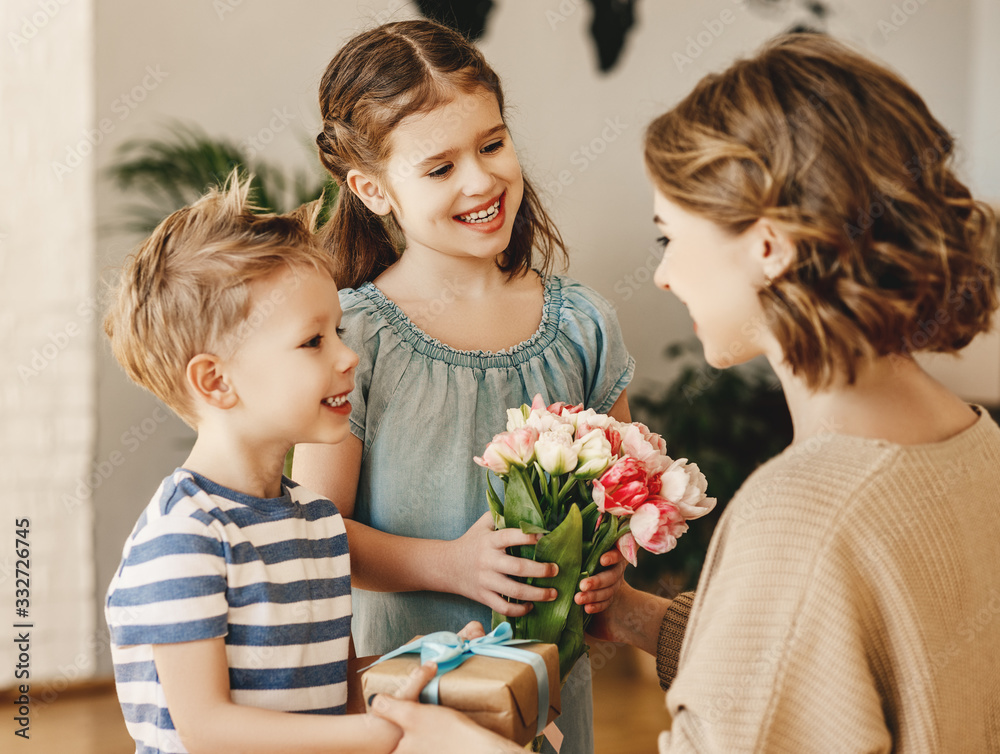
point(532, 529)
point(571, 644)
point(546, 620)
point(520, 503)
point(496, 505)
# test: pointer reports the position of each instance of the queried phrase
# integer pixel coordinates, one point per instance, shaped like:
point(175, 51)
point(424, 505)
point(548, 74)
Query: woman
point(850, 600)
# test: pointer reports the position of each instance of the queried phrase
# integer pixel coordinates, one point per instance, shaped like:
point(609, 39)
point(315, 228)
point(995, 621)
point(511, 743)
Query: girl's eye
point(495, 146)
point(440, 172)
point(340, 332)
point(663, 241)
point(313, 342)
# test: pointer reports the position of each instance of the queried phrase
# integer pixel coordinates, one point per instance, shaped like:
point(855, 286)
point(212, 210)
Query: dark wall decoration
point(466, 16)
point(610, 24)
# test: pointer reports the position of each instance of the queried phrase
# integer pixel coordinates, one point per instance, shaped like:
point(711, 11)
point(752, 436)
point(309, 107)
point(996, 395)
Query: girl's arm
point(195, 679)
point(475, 565)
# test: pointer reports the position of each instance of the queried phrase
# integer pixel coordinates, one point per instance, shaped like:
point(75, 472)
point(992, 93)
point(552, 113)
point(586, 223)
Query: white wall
point(47, 335)
point(233, 66)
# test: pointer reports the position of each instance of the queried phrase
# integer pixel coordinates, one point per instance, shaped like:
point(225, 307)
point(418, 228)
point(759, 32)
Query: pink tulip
point(684, 485)
point(626, 546)
point(622, 488)
point(515, 448)
point(656, 525)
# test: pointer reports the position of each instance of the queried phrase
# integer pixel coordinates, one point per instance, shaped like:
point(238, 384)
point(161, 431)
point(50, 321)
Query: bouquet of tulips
point(586, 483)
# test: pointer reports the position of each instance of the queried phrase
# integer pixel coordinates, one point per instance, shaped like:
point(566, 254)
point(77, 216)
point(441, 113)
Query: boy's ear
point(774, 250)
point(368, 191)
point(209, 383)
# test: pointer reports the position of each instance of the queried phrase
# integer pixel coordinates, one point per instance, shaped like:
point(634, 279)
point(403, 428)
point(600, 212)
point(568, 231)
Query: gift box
point(498, 693)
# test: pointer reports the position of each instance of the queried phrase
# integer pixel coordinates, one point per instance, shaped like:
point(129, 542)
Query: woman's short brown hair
point(893, 253)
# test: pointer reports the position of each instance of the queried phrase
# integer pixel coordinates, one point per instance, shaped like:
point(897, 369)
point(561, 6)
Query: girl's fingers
point(508, 609)
point(504, 538)
point(525, 592)
point(527, 569)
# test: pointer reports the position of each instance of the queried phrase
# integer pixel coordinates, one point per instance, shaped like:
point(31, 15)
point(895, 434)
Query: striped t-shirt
point(270, 575)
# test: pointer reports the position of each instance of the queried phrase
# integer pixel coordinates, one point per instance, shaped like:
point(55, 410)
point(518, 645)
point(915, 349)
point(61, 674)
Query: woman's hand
point(598, 591)
point(482, 568)
point(427, 727)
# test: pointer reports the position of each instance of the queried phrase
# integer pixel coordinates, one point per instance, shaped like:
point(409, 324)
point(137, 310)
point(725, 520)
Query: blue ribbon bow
point(450, 650)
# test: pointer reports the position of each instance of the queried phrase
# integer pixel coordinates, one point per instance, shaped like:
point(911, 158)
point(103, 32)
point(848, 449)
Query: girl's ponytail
point(359, 241)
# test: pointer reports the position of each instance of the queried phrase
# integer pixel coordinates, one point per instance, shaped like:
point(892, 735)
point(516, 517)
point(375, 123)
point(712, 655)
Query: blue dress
point(422, 410)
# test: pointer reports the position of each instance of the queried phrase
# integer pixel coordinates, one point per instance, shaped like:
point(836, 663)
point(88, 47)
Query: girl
point(450, 333)
point(850, 600)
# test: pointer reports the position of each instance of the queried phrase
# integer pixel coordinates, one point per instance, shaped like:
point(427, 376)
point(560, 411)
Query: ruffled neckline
point(434, 348)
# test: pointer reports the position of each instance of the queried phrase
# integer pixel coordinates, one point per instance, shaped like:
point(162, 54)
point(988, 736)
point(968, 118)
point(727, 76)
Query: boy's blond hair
point(186, 289)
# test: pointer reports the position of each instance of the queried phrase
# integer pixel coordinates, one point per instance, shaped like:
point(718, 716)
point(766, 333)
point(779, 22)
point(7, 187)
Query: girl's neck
point(891, 399)
point(429, 276)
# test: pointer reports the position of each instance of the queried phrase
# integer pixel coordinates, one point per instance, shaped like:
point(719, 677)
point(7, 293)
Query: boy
point(232, 604)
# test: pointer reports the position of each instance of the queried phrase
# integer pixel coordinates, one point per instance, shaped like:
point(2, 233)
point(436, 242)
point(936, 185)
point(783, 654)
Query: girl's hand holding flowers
point(585, 484)
point(485, 570)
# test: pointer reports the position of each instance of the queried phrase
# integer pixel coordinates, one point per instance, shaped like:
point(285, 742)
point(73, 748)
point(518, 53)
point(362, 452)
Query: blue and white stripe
point(271, 576)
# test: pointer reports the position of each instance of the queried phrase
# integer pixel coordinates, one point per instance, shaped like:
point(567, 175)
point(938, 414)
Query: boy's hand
point(597, 591)
point(472, 630)
point(482, 568)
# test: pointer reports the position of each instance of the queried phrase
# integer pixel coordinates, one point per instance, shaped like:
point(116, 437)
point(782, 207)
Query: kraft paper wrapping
point(501, 695)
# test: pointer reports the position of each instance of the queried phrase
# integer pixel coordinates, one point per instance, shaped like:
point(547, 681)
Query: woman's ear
point(209, 383)
point(368, 191)
point(775, 251)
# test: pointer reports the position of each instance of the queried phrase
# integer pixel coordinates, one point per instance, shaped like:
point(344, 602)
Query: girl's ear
point(209, 383)
point(775, 251)
point(368, 191)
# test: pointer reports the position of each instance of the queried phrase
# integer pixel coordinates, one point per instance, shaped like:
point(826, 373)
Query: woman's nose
point(660, 277)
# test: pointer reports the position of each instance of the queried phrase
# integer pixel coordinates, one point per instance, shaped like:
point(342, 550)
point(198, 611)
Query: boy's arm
point(195, 680)
point(475, 565)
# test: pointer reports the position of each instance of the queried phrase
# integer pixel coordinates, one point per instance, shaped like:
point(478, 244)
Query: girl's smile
point(486, 218)
point(453, 181)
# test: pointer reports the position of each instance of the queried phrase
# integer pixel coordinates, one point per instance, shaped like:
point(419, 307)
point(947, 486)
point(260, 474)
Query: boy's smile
point(291, 373)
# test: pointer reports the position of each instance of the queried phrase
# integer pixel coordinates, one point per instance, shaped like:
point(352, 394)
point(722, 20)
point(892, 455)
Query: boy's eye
point(663, 241)
point(440, 172)
point(492, 147)
point(313, 342)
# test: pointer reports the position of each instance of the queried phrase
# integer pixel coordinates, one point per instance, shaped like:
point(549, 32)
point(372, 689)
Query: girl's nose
point(479, 179)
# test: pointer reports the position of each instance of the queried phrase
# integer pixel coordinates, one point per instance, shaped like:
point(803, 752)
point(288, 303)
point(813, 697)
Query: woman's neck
point(892, 398)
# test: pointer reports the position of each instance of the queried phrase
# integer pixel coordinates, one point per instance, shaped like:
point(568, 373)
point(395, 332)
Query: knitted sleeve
point(668, 646)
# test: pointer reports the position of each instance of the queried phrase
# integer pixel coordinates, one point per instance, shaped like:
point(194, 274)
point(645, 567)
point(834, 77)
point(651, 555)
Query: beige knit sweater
point(850, 602)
